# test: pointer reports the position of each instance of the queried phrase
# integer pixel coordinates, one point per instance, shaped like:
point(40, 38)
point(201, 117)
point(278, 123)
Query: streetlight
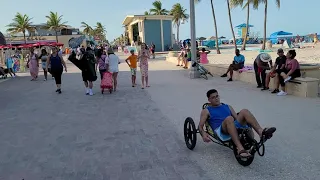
point(193, 71)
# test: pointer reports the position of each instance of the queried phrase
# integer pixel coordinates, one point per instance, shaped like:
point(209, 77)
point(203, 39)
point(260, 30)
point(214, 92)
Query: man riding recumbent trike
point(226, 127)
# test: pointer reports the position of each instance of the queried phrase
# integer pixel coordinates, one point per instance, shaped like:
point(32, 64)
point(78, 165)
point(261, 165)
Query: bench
point(302, 86)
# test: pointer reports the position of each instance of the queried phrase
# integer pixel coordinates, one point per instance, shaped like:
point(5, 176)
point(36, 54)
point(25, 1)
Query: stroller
point(203, 71)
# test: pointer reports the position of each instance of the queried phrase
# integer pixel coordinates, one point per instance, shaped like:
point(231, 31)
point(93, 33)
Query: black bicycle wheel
point(190, 133)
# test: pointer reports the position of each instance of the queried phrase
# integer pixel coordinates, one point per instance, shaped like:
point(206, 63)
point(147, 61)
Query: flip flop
point(242, 152)
point(268, 132)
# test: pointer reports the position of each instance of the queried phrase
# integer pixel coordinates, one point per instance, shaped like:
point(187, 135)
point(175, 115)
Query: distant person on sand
point(133, 66)
point(33, 64)
point(144, 57)
point(237, 63)
point(204, 56)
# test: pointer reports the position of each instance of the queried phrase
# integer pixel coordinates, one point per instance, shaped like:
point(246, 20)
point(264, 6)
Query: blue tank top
point(55, 62)
point(218, 115)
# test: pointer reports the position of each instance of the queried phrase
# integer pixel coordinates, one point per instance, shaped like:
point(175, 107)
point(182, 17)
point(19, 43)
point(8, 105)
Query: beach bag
point(107, 81)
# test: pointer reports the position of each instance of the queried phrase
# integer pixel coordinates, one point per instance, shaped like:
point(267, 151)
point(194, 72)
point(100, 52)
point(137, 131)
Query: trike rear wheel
point(190, 133)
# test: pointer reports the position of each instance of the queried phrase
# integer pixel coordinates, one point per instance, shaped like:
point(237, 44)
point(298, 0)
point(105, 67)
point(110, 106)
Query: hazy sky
point(294, 15)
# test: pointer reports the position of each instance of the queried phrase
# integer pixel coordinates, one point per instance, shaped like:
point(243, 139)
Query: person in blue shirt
point(224, 120)
point(9, 63)
point(238, 63)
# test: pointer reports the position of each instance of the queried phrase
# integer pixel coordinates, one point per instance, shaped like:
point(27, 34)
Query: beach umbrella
point(280, 33)
point(222, 37)
point(243, 25)
point(201, 38)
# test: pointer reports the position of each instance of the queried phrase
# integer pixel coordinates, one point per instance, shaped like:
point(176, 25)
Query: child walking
point(133, 66)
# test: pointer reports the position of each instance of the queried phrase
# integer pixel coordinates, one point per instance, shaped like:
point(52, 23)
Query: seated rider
point(224, 121)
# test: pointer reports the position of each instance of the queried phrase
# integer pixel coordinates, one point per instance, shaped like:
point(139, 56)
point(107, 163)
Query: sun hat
point(264, 57)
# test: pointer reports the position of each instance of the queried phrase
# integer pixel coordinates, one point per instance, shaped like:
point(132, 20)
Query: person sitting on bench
point(238, 63)
point(224, 121)
point(291, 71)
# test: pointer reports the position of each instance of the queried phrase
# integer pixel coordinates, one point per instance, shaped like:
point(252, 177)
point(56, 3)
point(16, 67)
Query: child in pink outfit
point(204, 56)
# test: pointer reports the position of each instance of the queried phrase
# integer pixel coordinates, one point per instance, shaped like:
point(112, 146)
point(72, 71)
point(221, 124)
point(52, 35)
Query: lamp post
point(193, 72)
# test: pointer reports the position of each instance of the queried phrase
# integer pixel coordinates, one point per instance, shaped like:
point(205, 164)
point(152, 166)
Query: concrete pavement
point(138, 134)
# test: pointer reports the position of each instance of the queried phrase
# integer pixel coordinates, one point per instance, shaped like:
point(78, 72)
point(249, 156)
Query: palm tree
point(230, 20)
point(157, 9)
point(101, 31)
point(215, 26)
point(54, 22)
point(21, 24)
point(265, 20)
point(146, 13)
point(179, 15)
point(87, 28)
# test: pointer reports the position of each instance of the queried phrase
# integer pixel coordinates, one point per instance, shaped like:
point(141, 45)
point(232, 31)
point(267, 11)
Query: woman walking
point(44, 57)
point(33, 65)
point(57, 63)
point(102, 59)
point(144, 57)
point(113, 67)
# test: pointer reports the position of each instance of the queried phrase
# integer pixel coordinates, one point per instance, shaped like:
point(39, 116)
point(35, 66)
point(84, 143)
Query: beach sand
point(304, 56)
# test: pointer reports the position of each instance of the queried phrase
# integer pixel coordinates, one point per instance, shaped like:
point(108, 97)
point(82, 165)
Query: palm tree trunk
point(215, 28)
point(247, 29)
point(24, 37)
point(178, 25)
point(230, 20)
point(265, 25)
point(57, 36)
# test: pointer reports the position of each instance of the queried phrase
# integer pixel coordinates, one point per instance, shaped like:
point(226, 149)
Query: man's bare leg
point(229, 127)
point(230, 68)
point(246, 117)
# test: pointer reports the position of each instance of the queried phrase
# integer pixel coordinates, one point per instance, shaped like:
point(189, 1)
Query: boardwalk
point(137, 134)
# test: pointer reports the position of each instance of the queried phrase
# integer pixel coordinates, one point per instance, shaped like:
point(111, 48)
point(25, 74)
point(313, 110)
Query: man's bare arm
point(203, 118)
point(233, 112)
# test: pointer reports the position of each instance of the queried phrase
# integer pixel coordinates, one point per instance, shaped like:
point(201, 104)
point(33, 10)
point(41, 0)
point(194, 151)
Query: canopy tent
point(201, 38)
point(274, 36)
point(243, 25)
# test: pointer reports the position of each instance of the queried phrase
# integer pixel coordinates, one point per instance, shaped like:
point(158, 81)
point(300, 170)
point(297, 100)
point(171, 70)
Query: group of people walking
point(89, 62)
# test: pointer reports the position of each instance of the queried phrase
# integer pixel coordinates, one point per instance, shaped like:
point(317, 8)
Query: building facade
point(149, 29)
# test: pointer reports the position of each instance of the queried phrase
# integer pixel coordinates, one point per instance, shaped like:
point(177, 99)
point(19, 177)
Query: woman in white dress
point(113, 66)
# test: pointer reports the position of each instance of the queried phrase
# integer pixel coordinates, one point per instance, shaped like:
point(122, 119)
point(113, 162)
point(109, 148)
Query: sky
point(293, 16)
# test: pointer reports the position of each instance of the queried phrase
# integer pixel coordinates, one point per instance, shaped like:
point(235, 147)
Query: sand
point(304, 56)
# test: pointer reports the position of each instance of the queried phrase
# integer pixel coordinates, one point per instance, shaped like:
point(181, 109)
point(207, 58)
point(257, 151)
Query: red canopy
point(40, 44)
point(56, 44)
point(25, 46)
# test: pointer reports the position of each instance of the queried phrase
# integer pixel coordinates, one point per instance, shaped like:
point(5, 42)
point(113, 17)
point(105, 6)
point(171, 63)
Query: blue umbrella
point(280, 33)
point(243, 25)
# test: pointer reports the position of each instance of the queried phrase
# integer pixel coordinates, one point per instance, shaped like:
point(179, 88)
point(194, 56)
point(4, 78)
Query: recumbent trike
point(245, 135)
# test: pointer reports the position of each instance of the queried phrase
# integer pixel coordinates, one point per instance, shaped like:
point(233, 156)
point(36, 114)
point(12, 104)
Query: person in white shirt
point(113, 67)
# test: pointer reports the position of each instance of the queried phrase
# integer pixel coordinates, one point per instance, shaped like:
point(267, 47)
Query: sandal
point(243, 151)
point(268, 132)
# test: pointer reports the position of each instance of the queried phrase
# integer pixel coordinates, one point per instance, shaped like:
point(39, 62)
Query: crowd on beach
point(90, 61)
